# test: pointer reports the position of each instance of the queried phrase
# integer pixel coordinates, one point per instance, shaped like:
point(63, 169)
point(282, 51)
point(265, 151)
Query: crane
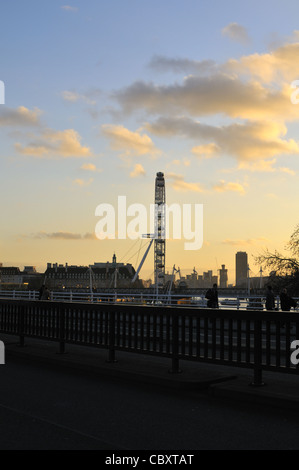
point(174, 272)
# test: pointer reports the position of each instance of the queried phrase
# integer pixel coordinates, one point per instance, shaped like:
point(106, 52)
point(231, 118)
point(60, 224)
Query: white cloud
point(20, 117)
point(83, 183)
point(90, 96)
point(236, 32)
point(69, 8)
point(129, 143)
point(252, 141)
point(179, 184)
point(223, 186)
point(51, 143)
point(138, 171)
point(286, 170)
point(91, 167)
point(206, 151)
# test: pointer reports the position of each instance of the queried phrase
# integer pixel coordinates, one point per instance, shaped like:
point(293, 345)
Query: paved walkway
point(281, 390)
point(78, 401)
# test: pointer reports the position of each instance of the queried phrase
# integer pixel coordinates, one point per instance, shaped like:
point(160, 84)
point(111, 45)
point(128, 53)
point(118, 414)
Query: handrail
point(248, 339)
point(238, 302)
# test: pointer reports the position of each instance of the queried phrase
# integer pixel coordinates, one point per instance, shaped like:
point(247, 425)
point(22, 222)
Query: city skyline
point(100, 97)
point(221, 276)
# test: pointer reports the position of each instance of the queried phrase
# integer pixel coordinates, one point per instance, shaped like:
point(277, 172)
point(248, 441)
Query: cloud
point(69, 8)
point(90, 97)
point(249, 241)
point(286, 170)
point(63, 236)
point(206, 151)
point(218, 93)
point(71, 96)
point(177, 162)
point(138, 171)
point(129, 143)
point(255, 86)
point(83, 183)
point(259, 166)
point(228, 187)
point(51, 143)
point(91, 167)
point(277, 67)
point(253, 141)
point(20, 117)
point(179, 184)
point(266, 166)
point(236, 32)
point(177, 65)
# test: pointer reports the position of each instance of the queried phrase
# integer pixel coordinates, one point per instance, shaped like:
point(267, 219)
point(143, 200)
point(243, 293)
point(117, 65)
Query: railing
point(255, 340)
point(239, 302)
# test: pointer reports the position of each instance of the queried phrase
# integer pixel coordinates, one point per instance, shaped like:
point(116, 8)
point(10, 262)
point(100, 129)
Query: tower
point(241, 269)
point(160, 242)
point(223, 277)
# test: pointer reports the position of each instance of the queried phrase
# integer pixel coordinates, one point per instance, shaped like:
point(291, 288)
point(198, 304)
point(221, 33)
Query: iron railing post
point(175, 345)
point(61, 319)
point(111, 355)
point(21, 322)
point(258, 370)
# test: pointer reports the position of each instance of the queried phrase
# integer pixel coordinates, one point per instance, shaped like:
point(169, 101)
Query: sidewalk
point(281, 390)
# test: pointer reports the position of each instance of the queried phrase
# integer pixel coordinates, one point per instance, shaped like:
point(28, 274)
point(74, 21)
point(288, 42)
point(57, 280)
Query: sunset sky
point(102, 95)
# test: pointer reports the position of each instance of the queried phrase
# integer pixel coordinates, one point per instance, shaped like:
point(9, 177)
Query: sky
point(100, 96)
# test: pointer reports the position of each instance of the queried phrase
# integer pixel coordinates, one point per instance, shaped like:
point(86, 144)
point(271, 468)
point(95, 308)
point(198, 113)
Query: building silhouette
point(202, 281)
point(223, 277)
point(98, 275)
point(241, 269)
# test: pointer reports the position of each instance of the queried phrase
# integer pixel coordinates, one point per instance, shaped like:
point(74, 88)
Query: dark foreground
point(48, 407)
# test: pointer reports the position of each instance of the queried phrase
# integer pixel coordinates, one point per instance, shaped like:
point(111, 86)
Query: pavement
point(221, 382)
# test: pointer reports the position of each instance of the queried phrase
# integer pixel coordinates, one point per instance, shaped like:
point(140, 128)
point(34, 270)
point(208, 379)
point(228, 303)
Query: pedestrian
point(46, 294)
point(286, 302)
point(270, 299)
point(212, 296)
point(41, 292)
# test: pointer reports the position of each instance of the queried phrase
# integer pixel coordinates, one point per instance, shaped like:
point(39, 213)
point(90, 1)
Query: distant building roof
point(124, 270)
point(10, 271)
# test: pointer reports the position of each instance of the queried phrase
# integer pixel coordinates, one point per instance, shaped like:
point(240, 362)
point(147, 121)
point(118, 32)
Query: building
point(11, 276)
point(192, 279)
point(241, 269)
point(223, 276)
point(195, 281)
point(96, 276)
point(14, 278)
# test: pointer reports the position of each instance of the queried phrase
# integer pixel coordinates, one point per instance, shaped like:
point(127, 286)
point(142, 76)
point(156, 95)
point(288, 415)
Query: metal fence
point(255, 340)
point(233, 302)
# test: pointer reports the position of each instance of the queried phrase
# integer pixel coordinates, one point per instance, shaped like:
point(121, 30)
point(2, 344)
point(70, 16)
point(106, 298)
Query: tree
point(284, 269)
